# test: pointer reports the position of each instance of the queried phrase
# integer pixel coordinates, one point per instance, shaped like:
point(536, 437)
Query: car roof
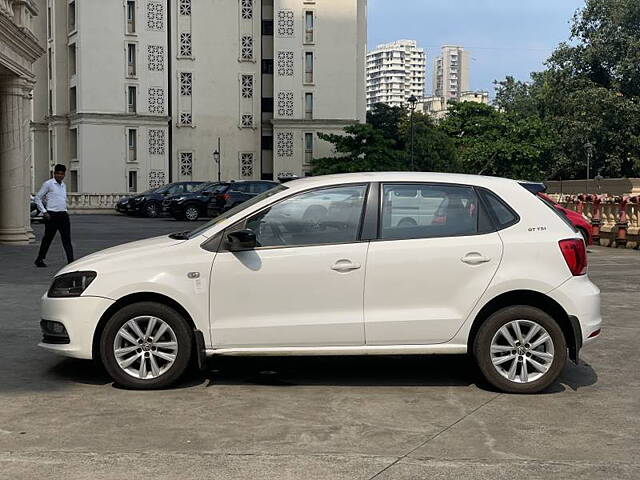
point(429, 177)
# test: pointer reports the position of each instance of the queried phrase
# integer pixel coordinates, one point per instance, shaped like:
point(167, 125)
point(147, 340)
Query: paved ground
point(313, 418)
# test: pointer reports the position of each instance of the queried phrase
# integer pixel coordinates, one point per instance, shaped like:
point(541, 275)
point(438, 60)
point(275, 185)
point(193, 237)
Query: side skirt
point(443, 349)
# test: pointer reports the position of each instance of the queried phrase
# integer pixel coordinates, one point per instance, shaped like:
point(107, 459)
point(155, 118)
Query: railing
point(93, 202)
point(615, 219)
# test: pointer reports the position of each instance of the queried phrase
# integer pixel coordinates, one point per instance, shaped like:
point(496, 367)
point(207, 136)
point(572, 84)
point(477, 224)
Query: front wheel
point(520, 349)
point(191, 213)
point(152, 210)
point(145, 346)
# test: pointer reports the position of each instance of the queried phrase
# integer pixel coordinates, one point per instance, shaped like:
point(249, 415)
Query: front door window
point(318, 217)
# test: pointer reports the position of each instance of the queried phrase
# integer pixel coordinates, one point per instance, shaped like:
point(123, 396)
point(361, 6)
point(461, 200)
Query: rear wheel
point(146, 345)
point(520, 349)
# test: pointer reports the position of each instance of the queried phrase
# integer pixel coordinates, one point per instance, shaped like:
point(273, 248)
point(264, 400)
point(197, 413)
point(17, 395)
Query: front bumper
point(80, 317)
point(581, 299)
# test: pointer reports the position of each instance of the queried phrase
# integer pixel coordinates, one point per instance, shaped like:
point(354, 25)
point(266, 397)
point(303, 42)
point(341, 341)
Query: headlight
point(180, 199)
point(138, 199)
point(71, 284)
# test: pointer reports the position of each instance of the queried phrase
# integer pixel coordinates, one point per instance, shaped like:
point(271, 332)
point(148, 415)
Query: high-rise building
point(451, 73)
point(139, 91)
point(395, 72)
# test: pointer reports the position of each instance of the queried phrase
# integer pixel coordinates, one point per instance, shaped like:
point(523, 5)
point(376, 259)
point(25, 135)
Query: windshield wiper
point(180, 235)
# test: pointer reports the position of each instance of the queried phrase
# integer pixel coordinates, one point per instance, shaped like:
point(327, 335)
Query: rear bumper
point(80, 317)
point(581, 299)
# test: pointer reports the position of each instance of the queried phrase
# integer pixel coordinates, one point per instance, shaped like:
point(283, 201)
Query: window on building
point(267, 27)
point(131, 99)
point(133, 181)
point(131, 59)
point(267, 105)
point(50, 63)
point(49, 22)
point(73, 143)
point(267, 67)
point(50, 102)
point(73, 181)
point(267, 142)
point(131, 16)
point(132, 145)
point(72, 59)
point(308, 106)
point(72, 17)
point(308, 147)
point(308, 26)
point(308, 67)
point(51, 149)
point(73, 100)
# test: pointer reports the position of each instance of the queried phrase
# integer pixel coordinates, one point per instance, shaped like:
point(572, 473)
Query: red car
point(582, 223)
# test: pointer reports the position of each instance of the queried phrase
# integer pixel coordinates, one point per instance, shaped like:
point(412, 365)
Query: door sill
point(441, 348)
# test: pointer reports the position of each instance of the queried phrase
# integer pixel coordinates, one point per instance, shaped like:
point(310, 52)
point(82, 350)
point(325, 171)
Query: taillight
point(575, 254)
point(223, 196)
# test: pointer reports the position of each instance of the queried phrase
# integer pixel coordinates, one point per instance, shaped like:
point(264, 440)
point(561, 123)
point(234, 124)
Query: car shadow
point(409, 371)
point(354, 371)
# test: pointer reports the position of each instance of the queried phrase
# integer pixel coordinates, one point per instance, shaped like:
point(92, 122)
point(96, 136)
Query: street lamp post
point(589, 148)
point(216, 158)
point(412, 101)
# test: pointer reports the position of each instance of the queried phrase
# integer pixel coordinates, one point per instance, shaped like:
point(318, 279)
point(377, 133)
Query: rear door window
point(427, 211)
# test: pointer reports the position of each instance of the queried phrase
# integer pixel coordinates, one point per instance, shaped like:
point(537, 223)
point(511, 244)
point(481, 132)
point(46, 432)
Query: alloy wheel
point(522, 351)
point(191, 213)
point(145, 347)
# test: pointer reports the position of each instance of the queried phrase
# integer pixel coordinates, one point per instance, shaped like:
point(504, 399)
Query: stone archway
point(19, 49)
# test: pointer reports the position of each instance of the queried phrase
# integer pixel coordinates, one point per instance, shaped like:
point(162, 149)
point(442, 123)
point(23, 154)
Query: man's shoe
point(40, 263)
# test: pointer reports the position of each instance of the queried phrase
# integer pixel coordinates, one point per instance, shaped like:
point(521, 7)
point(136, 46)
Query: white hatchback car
point(370, 263)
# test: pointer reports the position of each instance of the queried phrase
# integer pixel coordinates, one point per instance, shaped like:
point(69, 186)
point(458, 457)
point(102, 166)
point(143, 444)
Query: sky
point(504, 37)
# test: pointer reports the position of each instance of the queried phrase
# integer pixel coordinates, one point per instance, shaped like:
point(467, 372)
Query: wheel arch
point(569, 325)
point(129, 300)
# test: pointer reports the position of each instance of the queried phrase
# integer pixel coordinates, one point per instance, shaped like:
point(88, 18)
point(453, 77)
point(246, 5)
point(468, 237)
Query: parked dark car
point(192, 205)
point(149, 204)
point(34, 210)
point(232, 194)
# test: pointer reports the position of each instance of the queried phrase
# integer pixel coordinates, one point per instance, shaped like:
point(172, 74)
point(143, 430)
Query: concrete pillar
point(15, 184)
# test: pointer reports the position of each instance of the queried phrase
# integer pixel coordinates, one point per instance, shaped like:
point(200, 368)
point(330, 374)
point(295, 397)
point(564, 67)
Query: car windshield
point(231, 212)
point(162, 189)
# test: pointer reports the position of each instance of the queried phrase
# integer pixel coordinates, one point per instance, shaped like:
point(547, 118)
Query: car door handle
point(475, 259)
point(345, 266)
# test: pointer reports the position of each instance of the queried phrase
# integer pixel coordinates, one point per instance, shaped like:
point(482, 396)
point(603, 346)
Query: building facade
point(19, 49)
point(395, 72)
point(451, 73)
point(140, 91)
point(437, 107)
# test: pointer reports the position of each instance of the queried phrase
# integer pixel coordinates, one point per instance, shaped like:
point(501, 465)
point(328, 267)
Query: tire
point(407, 222)
point(191, 213)
point(152, 210)
point(177, 331)
point(535, 380)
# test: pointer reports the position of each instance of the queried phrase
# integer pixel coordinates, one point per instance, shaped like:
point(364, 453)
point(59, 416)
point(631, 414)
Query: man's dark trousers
point(58, 221)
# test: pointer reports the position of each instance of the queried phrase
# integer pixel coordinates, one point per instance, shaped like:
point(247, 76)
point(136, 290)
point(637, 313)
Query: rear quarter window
point(503, 215)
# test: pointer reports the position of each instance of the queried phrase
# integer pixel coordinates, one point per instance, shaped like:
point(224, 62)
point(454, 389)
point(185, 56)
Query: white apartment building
point(437, 108)
point(395, 72)
point(451, 73)
point(139, 91)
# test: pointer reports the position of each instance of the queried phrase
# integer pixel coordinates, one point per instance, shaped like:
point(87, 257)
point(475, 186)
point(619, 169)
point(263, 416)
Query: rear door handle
point(344, 266)
point(475, 259)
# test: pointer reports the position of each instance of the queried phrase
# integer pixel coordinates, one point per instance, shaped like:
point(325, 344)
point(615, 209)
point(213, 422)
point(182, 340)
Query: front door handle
point(344, 266)
point(475, 258)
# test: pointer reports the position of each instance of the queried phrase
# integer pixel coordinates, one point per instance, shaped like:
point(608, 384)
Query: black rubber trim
point(575, 344)
point(371, 216)
point(201, 355)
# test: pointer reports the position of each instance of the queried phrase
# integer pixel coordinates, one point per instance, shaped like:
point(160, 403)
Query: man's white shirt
point(53, 195)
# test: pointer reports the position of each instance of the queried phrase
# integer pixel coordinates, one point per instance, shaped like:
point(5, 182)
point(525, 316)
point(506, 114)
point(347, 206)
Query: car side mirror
point(241, 240)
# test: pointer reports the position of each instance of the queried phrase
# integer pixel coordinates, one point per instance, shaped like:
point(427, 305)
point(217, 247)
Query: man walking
point(52, 202)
